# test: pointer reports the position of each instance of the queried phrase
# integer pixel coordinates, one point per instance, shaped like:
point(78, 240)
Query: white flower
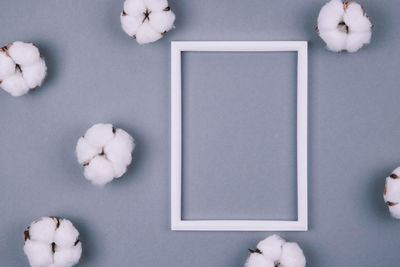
point(344, 26)
point(274, 251)
point(391, 193)
point(147, 20)
point(52, 242)
point(105, 152)
point(22, 68)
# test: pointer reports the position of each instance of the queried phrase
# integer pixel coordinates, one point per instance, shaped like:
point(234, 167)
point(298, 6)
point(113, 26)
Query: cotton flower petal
point(162, 21)
point(99, 134)
point(120, 147)
point(271, 247)
point(99, 171)
point(292, 256)
point(331, 15)
point(147, 34)
point(85, 151)
point(156, 5)
point(39, 253)
point(258, 260)
point(24, 54)
point(355, 19)
point(134, 7)
point(34, 74)
point(15, 85)
point(131, 24)
point(7, 66)
point(43, 230)
point(65, 257)
point(66, 234)
point(357, 40)
point(335, 40)
point(395, 211)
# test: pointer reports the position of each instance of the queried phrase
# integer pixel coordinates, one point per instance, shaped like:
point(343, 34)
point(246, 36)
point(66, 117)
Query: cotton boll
point(258, 260)
point(23, 53)
point(21, 68)
point(99, 171)
point(7, 66)
point(147, 34)
point(292, 256)
point(39, 253)
point(65, 257)
point(66, 234)
point(15, 85)
point(34, 74)
point(156, 5)
point(105, 152)
point(43, 230)
point(344, 26)
point(52, 242)
point(276, 252)
point(147, 20)
point(85, 151)
point(99, 134)
point(271, 247)
point(391, 193)
point(162, 21)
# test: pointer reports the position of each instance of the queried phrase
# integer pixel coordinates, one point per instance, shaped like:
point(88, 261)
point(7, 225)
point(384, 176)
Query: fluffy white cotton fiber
point(274, 251)
point(105, 153)
point(52, 242)
point(258, 260)
point(147, 20)
point(21, 68)
point(292, 256)
point(391, 193)
point(344, 26)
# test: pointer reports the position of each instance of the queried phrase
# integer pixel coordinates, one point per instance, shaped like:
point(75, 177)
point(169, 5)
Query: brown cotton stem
point(26, 234)
point(255, 251)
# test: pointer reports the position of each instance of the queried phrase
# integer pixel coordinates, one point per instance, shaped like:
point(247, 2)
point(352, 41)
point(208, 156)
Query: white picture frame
point(177, 223)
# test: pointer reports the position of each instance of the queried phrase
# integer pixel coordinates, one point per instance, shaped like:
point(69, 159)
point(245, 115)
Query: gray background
point(239, 133)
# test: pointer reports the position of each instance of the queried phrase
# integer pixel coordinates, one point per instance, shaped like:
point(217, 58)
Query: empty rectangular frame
point(177, 223)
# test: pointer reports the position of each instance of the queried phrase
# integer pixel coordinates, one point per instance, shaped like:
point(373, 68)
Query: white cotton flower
point(344, 26)
point(391, 193)
point(274, 251)
point(147, 20)
point(52, 242)
point(22, 68)
point(105, 152)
